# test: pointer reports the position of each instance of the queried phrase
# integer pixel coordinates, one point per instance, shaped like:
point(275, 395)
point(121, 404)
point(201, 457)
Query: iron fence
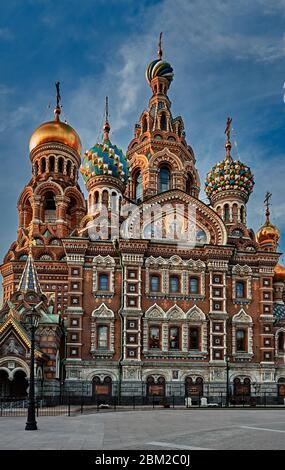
point(71, 404)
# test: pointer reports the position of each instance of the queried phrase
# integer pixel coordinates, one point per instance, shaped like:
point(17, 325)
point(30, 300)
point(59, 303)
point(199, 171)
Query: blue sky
point(228, 59)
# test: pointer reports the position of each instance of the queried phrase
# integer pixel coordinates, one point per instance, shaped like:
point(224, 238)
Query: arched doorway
point(241, 390)
point(281, 390)
point(4, 384)
point(155, 387)
point(102, 389)
point(194, 390)
point(19, 385)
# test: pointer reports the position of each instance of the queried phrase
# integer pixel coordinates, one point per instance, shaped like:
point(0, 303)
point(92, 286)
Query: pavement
point(165, 429)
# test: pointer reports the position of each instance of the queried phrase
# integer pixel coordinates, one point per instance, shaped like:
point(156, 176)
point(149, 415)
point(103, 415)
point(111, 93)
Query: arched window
point(240, 290)
point(68, 168)
point(43, 165)
point(163, 122)
point(226, 213)
point(60, 165)
point(164, 179)
point(240, 340)
point(51, 164)
point(49, 207)
point(138, 186)
point(281, 340)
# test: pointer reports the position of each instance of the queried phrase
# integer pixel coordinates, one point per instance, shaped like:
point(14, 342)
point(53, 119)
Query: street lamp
point(228, 380)
point(32, 321)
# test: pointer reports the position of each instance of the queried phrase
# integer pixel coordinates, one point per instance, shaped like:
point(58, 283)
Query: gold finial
point(32, 242)
point(268, 196)
point(57, 109)
point(159, 50)
point(106, 127)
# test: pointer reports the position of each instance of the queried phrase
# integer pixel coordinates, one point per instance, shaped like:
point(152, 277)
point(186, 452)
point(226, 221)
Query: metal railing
point(70, 404)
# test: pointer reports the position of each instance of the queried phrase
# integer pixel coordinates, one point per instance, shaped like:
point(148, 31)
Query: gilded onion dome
point(279, 273)
point(105, 159)
point(56, 131)
point(229, 174)
point(268, 235)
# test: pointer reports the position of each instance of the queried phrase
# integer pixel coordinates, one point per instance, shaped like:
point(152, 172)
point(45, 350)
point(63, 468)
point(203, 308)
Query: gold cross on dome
point(32, 242)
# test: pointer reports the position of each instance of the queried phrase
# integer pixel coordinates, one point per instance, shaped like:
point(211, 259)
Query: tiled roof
point(279, 311)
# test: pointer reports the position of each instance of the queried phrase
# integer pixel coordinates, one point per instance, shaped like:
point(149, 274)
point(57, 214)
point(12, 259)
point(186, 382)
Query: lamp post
point(32, 320)
point(228, 380)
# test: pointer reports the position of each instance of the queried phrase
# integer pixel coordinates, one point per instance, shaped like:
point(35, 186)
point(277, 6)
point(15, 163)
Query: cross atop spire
point(106, 127)
point(29, 279)
point(57, 109)
point(268, 196)
point(228, 134)
point(159, 50)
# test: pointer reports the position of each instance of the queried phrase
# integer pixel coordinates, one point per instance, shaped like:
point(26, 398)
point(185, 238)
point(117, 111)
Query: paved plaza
point(153, 429)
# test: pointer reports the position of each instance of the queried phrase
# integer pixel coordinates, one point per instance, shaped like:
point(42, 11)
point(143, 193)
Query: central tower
point(159, 156)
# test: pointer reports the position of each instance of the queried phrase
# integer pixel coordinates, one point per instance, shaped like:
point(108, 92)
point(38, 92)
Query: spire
point(106, 127)
point(228, 144)
point(268, 196)
point(29, 279)
point(57, 109)
point(159, 50)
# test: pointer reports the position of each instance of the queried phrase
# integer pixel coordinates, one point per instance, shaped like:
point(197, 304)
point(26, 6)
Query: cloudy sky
point(228, 59)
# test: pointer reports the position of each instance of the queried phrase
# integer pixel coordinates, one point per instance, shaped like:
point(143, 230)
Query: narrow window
point(240, 340)
point(174, 284)
point(102, 337)
point(240, 290)
point(103, 281)
point(194, 338)
point(154, 283)
point(164, 179)
point(138, 186)
point(281, 342)
point(154, 337)
point(193, 285)
point(174, 338)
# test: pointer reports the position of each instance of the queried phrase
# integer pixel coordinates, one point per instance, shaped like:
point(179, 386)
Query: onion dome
point(268, 235)
point(105, 159)
point(159, 67)
point(229, 174)
point(56, 131)
point(279, 273)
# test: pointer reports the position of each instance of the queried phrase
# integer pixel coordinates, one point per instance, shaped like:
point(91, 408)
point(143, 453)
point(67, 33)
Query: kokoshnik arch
point(146, 313)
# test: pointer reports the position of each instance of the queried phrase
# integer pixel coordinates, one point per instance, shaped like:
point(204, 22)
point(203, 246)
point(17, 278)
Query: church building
point(143, 289)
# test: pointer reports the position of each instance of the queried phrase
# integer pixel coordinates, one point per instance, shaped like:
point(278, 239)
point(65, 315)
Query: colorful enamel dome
point(229, 175)
point(159, 68)
point(104, 159)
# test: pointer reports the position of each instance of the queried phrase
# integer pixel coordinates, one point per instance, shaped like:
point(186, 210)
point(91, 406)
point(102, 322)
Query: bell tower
point(158, 155)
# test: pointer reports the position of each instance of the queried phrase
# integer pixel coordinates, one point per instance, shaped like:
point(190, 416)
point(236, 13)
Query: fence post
point(199, 400)
point(265, 399)
point(134, 402)
point(81, 404)
point(97, 404)
point(115, 403)
point(153, 401)
point(173, 401)
point(68, 402)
